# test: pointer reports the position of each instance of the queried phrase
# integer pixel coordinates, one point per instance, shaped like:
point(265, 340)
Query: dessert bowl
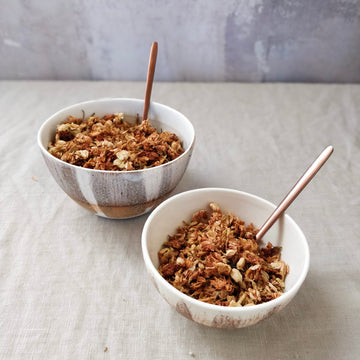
point(165, 219)
point(119, 194)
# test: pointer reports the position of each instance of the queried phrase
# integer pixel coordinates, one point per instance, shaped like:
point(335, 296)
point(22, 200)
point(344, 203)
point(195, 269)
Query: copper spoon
point(295, 191)
point(150, 78)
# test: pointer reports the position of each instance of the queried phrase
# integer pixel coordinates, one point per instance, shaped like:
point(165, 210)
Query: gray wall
point(199, 40)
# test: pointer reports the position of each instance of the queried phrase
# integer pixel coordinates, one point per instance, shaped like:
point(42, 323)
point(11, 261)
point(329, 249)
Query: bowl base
point(122, 212)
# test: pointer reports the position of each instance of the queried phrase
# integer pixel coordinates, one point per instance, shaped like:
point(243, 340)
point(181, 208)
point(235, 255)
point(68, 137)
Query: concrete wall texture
point(199, 40)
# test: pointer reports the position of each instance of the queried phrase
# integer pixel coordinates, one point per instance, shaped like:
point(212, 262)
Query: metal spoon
point(150, 78)
point(295, 191)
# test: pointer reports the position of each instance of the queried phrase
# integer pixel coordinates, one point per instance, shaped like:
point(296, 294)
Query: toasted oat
point(216, 259)
point(111, 143)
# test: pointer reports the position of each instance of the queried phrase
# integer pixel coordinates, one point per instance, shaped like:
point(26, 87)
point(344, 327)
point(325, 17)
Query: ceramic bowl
point(119, 194)
point(164, 220)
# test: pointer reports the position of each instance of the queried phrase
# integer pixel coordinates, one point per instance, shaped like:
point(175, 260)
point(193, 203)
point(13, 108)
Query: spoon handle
point(295, 191)
point(150, 78)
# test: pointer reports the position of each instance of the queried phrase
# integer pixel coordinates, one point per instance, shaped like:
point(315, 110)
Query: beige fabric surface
point(74, 286)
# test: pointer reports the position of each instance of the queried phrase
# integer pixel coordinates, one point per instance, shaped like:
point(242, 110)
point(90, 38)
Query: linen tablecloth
point(74, 286)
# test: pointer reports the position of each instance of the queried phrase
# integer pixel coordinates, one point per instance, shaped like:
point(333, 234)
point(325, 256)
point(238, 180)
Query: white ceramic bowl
point(164, 220)
point(119, 194)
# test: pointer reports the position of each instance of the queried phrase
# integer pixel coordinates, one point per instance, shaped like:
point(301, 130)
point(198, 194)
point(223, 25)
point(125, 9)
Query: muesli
point(111, 143)
point(216, 259)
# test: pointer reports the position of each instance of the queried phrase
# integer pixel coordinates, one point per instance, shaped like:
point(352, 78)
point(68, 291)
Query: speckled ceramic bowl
point(164, 220)
point(119, 194)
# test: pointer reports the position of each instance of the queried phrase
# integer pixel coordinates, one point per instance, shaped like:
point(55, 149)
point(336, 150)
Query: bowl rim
point(114, 99)
point(283, 299)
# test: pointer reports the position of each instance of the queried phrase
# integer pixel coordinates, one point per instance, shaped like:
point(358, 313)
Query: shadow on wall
point(204, 40)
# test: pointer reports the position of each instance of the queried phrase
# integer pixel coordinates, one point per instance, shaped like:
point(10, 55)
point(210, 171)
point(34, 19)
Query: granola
point(111, 143)
point(216, 259)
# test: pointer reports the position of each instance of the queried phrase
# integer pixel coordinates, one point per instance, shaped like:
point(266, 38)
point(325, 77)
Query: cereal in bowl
point(216, 259)
point(111, 143)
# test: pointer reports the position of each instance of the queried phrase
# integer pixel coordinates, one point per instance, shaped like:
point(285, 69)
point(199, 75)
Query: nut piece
point(223, 268)
point(276, 265)
point(236, 275)
point(230, 253)
point(241, 263)
point(180, 261)
point(122, 155)
point(214, 207)
point(83, 154)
